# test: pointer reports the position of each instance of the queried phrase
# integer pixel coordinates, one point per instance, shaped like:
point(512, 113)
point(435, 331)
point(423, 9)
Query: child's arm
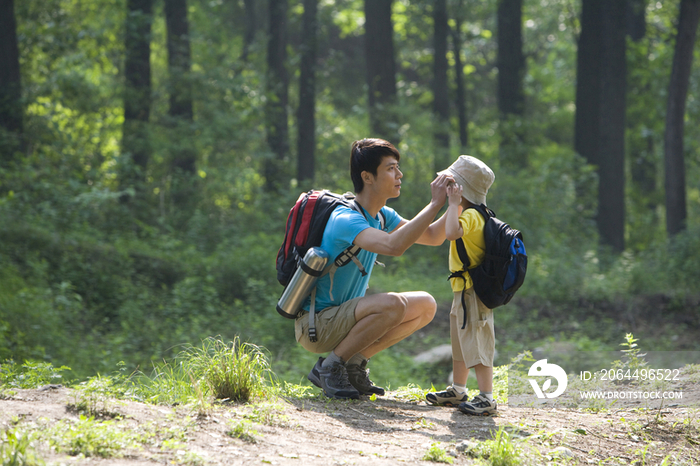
point(453, 230)
point(435, 235)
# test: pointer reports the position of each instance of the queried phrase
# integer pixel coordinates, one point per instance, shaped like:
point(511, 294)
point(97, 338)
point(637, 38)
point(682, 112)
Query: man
point(351, 326)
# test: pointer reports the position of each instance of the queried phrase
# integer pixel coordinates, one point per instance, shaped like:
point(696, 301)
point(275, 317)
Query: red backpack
point(305, 226)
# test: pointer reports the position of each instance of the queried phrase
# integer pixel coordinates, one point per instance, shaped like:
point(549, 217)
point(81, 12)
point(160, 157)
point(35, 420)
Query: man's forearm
point(409, 233)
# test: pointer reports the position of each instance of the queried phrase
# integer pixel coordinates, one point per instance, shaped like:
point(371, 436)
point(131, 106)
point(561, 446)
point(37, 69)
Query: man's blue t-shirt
point(341, 230)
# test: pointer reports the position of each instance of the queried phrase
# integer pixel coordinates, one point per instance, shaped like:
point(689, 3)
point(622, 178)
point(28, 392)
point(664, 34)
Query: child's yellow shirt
point(472, 223)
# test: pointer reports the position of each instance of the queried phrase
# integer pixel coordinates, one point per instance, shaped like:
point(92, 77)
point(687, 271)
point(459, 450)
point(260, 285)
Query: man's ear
point(367, 177)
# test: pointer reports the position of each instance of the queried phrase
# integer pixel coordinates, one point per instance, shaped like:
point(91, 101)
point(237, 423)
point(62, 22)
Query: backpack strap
point(382, 224)
point(348, 255)
point(312, 317)
point(464, 257)
point(483, 210)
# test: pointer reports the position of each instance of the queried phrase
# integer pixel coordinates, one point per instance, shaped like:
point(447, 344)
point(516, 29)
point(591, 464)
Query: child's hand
point(454, 194)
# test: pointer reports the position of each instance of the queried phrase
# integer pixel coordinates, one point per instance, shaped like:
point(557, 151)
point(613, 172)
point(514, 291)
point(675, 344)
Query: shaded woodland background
point(151, 149)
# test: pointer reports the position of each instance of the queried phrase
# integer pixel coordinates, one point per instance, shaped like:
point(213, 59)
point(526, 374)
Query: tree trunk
point(635, 19)
point(251, 27)
point(306, 142)
point(588, 82)
point(441, 100)
point(381, 69)
point(511, 70)
point(459, 77)
point(10, 85)
point(277, 96)
point(179, 63)
point(675, 111)
point(586, 118)
point(611, 157)
point(137, 94)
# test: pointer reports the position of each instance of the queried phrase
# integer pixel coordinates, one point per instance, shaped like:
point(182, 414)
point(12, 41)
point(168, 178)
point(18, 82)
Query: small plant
point(88, 437)
point(31, 374)
point(635, 359)
point(412, 393)
point(235, 372)
point(515, 377)
point(642, 452)
point(243, 430)
point(503, 451)
point(291, 390)
point(94, 396)
point(437, 454)
point(16, 450)
point(422, 423)
point(169, 436)
point(189, 458)
point(500, 383)
point(266, 414)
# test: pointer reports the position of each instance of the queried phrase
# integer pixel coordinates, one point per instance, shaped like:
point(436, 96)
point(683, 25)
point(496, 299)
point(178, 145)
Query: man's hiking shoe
point(479, 406)
point(333, 381)
point(358, 374)
point(450, 397)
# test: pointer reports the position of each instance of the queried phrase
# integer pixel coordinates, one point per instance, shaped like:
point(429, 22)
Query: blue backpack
point(502, 272)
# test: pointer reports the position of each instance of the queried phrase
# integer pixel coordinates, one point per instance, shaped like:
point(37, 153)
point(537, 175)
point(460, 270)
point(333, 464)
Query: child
point(471, 322)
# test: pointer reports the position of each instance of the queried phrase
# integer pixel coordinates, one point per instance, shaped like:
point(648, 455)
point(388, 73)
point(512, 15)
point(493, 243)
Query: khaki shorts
point(476, 343)
point(332, 325)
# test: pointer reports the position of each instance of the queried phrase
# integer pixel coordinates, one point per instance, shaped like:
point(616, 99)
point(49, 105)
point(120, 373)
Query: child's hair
point(366, 155)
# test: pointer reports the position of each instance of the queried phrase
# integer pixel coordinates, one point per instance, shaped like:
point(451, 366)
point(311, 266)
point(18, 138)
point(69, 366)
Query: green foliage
point(16, 449)
point(170, 383)
point(503, 451)
point(243, 430)
point(91, 438)
point(296, 391)
point(31, 374)
point(437, 454)
point(267, 414)
point(634, 359)
point(412, 393)
point(500, 450)
point(235, 371)
point(95, 396)
point(89, 280)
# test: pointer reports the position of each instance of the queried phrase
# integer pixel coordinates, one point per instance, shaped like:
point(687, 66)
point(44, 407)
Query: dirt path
point(386, 431)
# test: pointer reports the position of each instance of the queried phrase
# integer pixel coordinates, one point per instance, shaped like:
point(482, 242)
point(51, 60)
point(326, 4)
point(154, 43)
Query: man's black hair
point(366, 155)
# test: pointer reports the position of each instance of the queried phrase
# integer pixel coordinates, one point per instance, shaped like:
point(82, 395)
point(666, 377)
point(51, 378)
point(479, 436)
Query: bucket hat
point(473, 175)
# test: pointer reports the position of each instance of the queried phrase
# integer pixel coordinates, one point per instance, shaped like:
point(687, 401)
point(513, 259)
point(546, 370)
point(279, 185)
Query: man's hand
point(408, 232)
point(438, 188)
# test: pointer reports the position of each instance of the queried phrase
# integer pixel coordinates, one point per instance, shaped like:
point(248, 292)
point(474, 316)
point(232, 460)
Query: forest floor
point(398, 428)
point(316, 431)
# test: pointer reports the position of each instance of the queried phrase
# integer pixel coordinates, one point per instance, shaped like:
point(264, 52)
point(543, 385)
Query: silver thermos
point(303, 281)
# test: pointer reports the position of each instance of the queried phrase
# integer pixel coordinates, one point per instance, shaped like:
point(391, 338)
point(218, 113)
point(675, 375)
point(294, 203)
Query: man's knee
point(419, 304)
point(423, 305)
point(396, 305)
point(430, 306)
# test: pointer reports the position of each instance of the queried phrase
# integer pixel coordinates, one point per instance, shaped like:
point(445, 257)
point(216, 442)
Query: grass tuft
point(503, 451)
point(16, 449)
point(236, 371)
